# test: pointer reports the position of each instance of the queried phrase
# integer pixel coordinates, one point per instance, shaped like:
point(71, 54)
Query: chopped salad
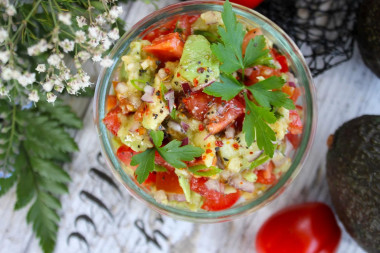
point(202, 112)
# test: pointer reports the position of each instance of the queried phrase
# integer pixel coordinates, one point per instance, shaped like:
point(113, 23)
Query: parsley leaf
point(145, 162)
point(227, 90)
point(265, 96)
point(230, 51)
point(173, 153)
point(256, 54)
point(256, 128)
point(157, 137)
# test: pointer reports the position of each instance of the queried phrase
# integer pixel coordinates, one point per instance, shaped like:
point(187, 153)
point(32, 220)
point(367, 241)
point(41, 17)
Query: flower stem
point(25, 21)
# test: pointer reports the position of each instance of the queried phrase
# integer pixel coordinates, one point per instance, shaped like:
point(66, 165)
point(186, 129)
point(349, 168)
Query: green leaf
point(44, 221)
point(61, 112)
point(159, 168)
point(145, 162)
point(25, 189)
point(230, 51)
point(173, 113)
point(53, 186)
point(265, 96)
point(256, 54)
point(49, 170)
point(157, 137)
point(260, 160)
point(174, 154)
point(204, 171)
point(49, 132)
point(227, 90)
point(256, 128)
point(50, 201)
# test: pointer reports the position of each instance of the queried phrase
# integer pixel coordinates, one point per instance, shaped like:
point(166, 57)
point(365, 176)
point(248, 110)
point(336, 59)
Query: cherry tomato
point(295, 139)
point(182, 23)
point(266, 176)
point(198, 104)
point(112, 121)
point(125, 153)
point(305, 228)
point(168, 181)
point(231, 111)
point(166, 47)
point(250, 35)
point(281, 59)
point(259, 70)
point(295, 125)
point(248, 3)
point(214, 201)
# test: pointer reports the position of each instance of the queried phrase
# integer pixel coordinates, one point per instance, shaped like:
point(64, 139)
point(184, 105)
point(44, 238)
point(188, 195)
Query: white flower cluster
point(52, 76)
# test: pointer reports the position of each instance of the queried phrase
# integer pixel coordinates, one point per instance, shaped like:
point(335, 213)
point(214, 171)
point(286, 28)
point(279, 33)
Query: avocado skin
point(368, 34)
point(353, 176)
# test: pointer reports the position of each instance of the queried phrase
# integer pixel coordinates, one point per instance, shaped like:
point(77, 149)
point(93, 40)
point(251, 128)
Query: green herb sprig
point(173, 153)
point(266, 93)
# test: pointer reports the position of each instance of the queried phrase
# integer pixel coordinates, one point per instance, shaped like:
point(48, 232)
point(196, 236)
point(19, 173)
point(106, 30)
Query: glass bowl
point(297, 66)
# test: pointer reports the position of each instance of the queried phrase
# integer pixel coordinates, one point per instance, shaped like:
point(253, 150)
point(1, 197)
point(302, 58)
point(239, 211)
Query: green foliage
point(204, 171)
point(35, 144)
point(227, 90)
point(173, 153)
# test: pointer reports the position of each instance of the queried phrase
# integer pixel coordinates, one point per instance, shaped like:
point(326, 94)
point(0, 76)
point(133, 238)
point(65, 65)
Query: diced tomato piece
point(232, 110)
point(183, 22)
point(168, 181)
point(281, 59)
point(266, 176)
point(166, 47)
point(198, 104)
point(295, 125)
point(259, 70)
point(151, 179)
point(295, 139)
point(125, 153)
point(111, 102)
point(196, 161)
point(214, 200)
point(250, 35)
point(112, 121)
point(160, 161)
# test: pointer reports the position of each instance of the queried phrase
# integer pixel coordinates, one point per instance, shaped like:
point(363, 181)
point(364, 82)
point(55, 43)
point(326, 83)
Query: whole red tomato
point(248, 3)
point(305, 228)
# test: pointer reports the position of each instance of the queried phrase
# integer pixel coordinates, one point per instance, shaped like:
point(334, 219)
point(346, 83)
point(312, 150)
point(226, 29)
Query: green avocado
point(353, 176)
point(368, 34)
point(198, 62)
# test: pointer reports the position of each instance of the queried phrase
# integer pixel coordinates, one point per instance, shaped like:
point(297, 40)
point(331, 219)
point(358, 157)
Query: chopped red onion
point(292, 84)
point(148, 95)
point(215, 185)
point(241, 184)
point(184, 126)
point(230, 132)
point(220, 109)
point(176, 197)
point(257, 155)
point(186, 88)
point(207, 136)
point(185, 142)
point(169, 96)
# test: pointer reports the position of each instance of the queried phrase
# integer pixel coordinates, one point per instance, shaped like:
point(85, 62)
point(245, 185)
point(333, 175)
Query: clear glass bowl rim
point(305, 78)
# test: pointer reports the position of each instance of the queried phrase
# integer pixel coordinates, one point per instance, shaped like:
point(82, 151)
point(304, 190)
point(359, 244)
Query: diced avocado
point(197, 65)
point(353, 178)
point(136, 65)
point(157, 111)
point(133, 139)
